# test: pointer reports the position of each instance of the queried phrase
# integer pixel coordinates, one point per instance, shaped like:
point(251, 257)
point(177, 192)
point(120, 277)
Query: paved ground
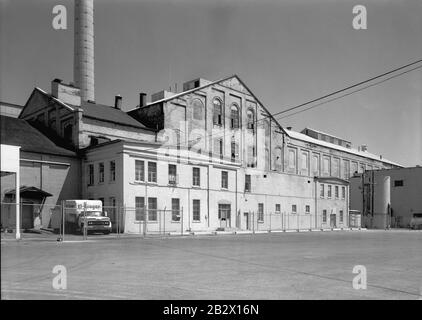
point(312, 265)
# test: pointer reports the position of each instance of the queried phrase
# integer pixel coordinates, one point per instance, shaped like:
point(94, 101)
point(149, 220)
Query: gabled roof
point(19, 132)
point(30, 192)
point(210, 84)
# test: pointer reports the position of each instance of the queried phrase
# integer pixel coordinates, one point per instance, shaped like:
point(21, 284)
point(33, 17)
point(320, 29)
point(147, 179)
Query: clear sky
point(287, 52)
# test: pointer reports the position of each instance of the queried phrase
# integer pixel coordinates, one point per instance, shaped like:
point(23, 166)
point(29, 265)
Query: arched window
point(217, 112)
point(251, 119)
point(234, 114)
point(198, 108)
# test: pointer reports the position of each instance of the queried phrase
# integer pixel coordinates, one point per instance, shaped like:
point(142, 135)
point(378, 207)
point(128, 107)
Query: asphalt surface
point(309, 265)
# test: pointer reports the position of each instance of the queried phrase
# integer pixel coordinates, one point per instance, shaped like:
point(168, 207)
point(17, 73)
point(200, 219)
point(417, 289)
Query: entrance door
point(27, 215)
point(332, 220)
point(224, 215)
point(246, 215)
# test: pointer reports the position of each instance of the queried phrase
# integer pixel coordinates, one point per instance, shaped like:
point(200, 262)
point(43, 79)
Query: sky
point(287, 52)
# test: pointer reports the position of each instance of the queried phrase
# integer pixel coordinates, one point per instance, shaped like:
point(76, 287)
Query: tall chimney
point(83, 63)
point(118, 102)
point(142, 99)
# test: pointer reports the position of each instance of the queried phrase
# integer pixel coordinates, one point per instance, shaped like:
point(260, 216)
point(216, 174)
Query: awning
point(30, 192)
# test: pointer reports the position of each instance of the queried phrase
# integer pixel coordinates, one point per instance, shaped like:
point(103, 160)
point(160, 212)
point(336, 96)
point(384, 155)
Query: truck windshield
point(417, 215)
point(94, 213)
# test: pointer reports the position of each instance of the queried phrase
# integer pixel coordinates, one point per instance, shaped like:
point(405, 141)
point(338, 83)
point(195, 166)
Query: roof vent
point(118, 102)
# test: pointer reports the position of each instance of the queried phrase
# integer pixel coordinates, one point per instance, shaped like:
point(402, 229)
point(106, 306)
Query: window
point(292, 160)
point(111, 211)
point(90, 174)
point(217, 115)
point(152, 209)
point(251, 156)
point(398, 183)
point(260, 212)
point(172, 174)
point(294, 208)
point(354, 167)
point(234, 151)
point(336, 191)
point(101, 172)
point(234, 117)
point(224, 179)
point(113, 170)
point(341, 216)
point(198, 108)
point(307, 209)
point(346, 169)
point(196, 210)
point(152, 172)
point(68, 132)
point(139, 208)
point(267, 131)
point(278, 159)
point(315, 165)
point(224, 211)
point(304, 162)
point(218, 147)
point(139, 170)
point(336, 165)
point(247, 183)
point(324, 215)
point(343, 192)
point(251, 119)
point(322, 192)
point(329, 191)
point(196, 176)
point(326, 166)
point(277, 208)
point(175, 209)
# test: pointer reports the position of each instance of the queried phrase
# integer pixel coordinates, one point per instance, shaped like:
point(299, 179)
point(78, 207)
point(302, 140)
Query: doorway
point(247, 220)
point(333, 221)
point(224, 215)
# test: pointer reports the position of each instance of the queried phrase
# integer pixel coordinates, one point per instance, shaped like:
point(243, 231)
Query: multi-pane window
point(139, 208)
point(336, 191)
point(198, 108)
point(398, 183)
point(152, 209)
point(277, 208)
point(260, 212)
point(248, 183)
point(346, 169)
point(307, 209)
point(294, 208)
point(175, 209)
point(112, 170)
point(218, 147)
point(315, 165)
point(329, 191)
point(196, 210)
point(304, 162)
point(251, 119)
point(90, 174)
point(101, 172)
point(341, 216)
point(152, 172)
point(217, 112)
point(172, 174)
point(251, 156)
point(343, 192)
point(322, 191)
point(324, 215)
point(224, 179)
point(234, 117)
point(336, 166)
point(234, 151)
point(139, 170)
point(196, 176)
point(326, 166)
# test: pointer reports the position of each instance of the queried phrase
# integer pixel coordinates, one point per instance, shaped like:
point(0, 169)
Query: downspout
point(316, 202)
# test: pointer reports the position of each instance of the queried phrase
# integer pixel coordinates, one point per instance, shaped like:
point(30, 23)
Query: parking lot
point(308, 265)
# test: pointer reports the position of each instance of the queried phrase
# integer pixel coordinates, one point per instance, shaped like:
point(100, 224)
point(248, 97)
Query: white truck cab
point(89, 213)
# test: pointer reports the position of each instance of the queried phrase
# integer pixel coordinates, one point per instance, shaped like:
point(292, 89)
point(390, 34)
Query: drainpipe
point(208, 195)
point(316, 202)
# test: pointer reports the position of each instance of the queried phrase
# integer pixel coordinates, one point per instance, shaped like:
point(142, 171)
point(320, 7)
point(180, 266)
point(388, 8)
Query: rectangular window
point(341, 216)
point(322, 191)
point(196, 210)
point(101, 172)
point(234, 151)
point(335, 168)
point(398, 183)
point(251, 156)
point(336, 191)
point(175, 209)
point(294, 208)
point(152, 209)
point(139, 208)
point(292, 159)
point(248, 183)
point(172, 174)
point(346, 169)
point(277, 208)
point(260, 212)
point(139, 170)
point(113, 170)
point(329, 191)
point(90, 174)
point(324, 215)
point(196, 176)
point(152, 172)
point(224, 179)
point(354, 167)
point(343, 192)
point(326, 166)
point(307, 209)
point(305, 160)
point(315, 165)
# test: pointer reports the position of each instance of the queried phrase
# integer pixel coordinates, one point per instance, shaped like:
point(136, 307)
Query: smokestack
point(118, 102)
point(142, 99)
point(83, 63)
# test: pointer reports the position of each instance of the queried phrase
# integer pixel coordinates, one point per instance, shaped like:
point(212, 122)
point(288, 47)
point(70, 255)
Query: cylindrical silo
point(83, 64)
point(381, 202)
